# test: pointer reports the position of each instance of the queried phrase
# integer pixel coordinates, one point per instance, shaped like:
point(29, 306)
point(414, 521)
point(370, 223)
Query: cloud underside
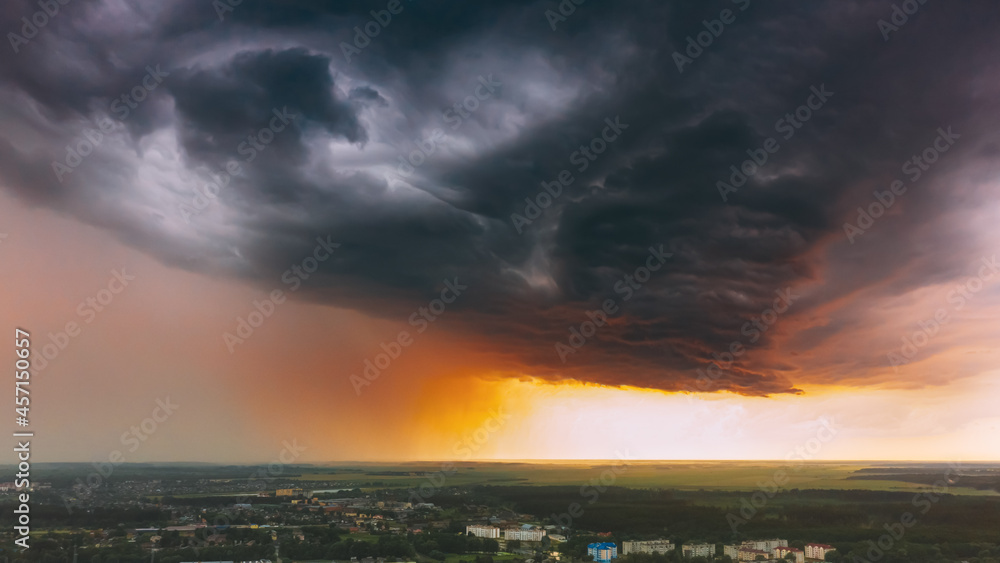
point(426, 156)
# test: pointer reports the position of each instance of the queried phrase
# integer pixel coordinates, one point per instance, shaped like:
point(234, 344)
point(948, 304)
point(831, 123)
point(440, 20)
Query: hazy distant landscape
point(981, 478)
point(419, 510)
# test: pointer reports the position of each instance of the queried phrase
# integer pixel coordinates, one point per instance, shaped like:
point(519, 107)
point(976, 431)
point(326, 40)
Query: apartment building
point(483, 531)
point(781, 552)
point(765, 545)
point(603, 552)
point(648, 546)
point(818, 550)
point(751, 554)
point(698, 550)
point(524, 534)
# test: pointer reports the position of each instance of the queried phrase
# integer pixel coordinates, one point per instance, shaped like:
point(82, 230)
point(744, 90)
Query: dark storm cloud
point(367, 94)
point(336, 171)
point(220, 107)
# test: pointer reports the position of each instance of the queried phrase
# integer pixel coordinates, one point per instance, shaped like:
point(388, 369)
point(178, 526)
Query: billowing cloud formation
point(423, 139)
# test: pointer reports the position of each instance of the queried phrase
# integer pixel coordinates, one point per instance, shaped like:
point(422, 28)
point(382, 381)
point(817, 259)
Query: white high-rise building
point(649, 546)
point(524, 534)
point(603, 552)
point(698, 550)
point(765, 545)
point(818, 550)
point(483, 531)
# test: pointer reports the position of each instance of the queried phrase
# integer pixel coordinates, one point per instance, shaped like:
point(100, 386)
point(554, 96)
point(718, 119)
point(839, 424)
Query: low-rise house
point(751, 554)
point(781, 552)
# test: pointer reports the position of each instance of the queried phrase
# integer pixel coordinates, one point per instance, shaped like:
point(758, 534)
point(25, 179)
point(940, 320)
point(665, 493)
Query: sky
point(517, 230)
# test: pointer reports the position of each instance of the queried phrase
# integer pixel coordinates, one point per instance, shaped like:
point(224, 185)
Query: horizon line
point(539, 461)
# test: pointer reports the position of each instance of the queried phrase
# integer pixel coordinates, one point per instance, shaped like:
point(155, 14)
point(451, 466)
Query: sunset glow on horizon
point(551, 245)
point(437, 402)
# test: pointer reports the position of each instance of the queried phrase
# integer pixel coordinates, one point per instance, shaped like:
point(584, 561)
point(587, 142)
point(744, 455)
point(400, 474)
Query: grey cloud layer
point(335, 170)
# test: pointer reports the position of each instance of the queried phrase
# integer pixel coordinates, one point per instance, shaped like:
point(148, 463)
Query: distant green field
point(717, 476)
point(678, 475)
